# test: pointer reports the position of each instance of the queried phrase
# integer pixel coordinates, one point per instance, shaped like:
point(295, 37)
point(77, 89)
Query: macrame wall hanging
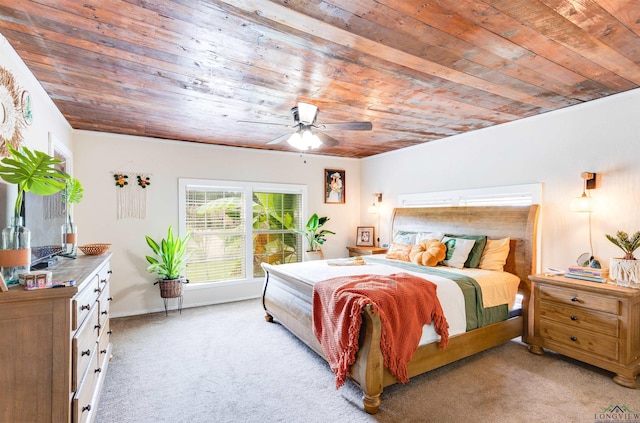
point(131, 194)
point(15, 105)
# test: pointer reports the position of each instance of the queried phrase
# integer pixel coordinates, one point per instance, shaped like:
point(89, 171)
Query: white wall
point(554, 148)
point(98, 155)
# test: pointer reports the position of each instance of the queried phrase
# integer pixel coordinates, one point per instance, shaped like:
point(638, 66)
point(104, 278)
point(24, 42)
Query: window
point(236, 226)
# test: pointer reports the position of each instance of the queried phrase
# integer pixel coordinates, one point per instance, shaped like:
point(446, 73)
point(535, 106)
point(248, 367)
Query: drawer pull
point(574, 339)
point(98, 370)
point(98, 326)
point(110, 271)
point(103, 281)
point(97, 290)
point(103, 351)
point(86, 408)
point(109, 332)
point(574, 299)
point(574, 318)
point(86, 352)
point(85, 307)
point(110, 299)
point(105, 312)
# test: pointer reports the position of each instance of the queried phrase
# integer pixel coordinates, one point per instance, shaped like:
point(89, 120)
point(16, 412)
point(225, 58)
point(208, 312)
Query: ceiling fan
point(307, 134)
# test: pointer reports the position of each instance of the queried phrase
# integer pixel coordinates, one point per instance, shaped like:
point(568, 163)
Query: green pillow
point(473, 260)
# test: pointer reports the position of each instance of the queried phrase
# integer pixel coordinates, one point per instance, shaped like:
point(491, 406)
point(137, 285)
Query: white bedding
point(449, 293)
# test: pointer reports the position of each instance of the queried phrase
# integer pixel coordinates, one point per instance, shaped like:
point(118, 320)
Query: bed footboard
point(287, 300)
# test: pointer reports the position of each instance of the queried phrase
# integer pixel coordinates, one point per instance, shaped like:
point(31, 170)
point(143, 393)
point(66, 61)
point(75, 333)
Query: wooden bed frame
point(287, 298)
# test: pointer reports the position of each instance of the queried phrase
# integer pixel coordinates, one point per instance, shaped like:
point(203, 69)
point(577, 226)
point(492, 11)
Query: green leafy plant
point(72, 194)
point(32, 171)
point(626, 244)
point(170, 259)
point(312, 232)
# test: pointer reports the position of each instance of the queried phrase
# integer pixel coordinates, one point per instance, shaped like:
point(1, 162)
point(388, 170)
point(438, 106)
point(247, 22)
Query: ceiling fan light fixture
point(307, 113)
point(295, 140)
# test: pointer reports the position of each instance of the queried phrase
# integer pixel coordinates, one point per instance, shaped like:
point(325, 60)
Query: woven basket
point(94, 249)
point(171, 288)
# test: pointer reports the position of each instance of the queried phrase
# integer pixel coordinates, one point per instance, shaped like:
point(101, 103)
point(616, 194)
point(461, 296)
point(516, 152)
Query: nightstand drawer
point(593, 321)
point(578, 339)
point(578, 298)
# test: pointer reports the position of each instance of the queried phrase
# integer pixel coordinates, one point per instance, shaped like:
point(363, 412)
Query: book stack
point(587, 274)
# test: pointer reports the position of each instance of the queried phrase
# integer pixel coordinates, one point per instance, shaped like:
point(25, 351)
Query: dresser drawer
point(83, 406)
point(83, 344)
point(578, 298)
point(577, 339)
point(590, 320)
point(104, 302)
point(83, 303)
point(103, 275)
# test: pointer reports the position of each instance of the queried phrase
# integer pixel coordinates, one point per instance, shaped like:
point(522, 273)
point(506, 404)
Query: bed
point(287, 294)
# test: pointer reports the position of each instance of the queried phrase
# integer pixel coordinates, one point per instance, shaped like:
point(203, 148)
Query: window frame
point(248, 188)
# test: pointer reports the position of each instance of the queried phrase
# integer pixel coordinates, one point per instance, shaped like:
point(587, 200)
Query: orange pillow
point(398, 252)
point(428, 252)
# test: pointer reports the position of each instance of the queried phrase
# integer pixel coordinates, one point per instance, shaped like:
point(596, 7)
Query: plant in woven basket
point(626, 244)
point(169, 262)
point(625, 271)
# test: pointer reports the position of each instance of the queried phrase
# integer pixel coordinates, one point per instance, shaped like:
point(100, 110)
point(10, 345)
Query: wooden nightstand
point(597, 323)
point(365, 251)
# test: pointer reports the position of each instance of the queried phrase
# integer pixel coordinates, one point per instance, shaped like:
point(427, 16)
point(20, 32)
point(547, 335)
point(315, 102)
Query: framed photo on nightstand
point(365, 236)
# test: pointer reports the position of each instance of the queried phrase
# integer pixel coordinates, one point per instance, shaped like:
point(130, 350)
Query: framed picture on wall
point(335, 186)
point(365, 236)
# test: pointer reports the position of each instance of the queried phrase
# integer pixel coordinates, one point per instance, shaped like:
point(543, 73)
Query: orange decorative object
point(121, 179)
point(428, 252)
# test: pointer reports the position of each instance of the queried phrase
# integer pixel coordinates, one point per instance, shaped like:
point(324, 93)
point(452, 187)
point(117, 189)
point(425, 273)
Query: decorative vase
point(313, 255)
point(625, 272)
point(15, 256)
point(69, 239)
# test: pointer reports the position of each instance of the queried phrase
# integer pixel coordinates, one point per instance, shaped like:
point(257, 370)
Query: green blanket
point(477, 315)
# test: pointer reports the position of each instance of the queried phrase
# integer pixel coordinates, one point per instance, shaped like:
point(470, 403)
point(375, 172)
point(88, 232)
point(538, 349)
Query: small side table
point(355, 251)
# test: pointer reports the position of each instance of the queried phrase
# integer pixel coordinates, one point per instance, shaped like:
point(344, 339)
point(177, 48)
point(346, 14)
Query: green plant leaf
point(32, 171)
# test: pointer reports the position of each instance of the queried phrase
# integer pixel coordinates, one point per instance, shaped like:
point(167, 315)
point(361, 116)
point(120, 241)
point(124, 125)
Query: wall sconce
point(584, 203)
point(374, 208)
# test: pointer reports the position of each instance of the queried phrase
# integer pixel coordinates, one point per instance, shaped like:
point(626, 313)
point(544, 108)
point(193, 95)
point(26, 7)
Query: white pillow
point(420, 236)
point(403, 237)
point(458, 250)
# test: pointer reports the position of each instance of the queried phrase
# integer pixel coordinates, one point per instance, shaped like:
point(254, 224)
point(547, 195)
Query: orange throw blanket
point(404, 302)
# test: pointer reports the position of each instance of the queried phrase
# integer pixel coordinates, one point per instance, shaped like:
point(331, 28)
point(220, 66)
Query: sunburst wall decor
point(11, 122)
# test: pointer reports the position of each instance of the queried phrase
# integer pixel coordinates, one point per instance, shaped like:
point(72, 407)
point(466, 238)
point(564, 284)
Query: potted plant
point(31, 171)
point(315, 236)
point(72, 194)
point(169, 262)
point(626, 270)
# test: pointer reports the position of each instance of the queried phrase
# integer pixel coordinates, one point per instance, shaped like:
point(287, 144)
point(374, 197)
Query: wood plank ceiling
point(418, 70)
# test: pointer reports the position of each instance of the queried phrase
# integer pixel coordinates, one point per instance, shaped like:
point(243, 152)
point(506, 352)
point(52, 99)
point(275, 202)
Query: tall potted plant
point(72, 194)
point(169, 263)
point(315, 236)
point(32, 171)
point(626, 270)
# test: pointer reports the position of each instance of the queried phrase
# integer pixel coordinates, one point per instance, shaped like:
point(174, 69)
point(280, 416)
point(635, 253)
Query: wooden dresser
point(596, 323)
point(54, 345)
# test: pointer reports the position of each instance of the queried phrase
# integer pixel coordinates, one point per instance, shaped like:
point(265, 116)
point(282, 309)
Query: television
point(44, 217)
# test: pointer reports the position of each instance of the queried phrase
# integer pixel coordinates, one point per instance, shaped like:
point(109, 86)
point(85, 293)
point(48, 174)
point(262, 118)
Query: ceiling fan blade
point(349, 126)
point(326, 139)
point(307, 113)
point(279, 139)
point(286, 125)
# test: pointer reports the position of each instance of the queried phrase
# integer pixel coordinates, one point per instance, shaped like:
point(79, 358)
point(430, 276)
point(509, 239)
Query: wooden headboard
point(518, 223)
